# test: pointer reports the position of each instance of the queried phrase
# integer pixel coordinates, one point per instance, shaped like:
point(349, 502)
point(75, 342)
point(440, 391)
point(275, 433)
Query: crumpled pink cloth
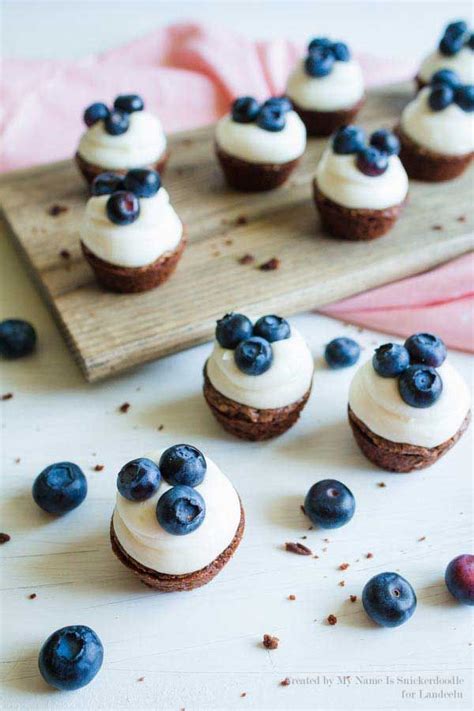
point(189, 73)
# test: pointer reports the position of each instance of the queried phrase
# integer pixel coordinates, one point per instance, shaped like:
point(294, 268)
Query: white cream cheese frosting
point(157, 230)
point(450, 131)
point(142, 537)
point(286, 381)
point(141, 145)
point(340, 180)
point(377, 402)
point(251, 143)
point(462, 63)
point(342, 88)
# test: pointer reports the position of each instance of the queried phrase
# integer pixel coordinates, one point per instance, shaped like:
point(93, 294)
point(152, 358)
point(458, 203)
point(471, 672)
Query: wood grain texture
point(109, 333)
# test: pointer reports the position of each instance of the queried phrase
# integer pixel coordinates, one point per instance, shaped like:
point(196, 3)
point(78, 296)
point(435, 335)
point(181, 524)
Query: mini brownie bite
point(121, 137)
point(455, 51)
point(258, 377)
point(130, 234)
point(408, 405)
point(326, 86)
point(177, 520)
point(437, 129)
point(259, 145)
point(360, 185)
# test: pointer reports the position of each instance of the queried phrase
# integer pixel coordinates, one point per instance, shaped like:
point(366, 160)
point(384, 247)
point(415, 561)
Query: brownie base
point(354, 223)
point(251, 423)
point(90, 171)
point(254, 177)
point(175, 583)
point(422, 164)
point(323, 123)
point(397, 457)
point(133, 280)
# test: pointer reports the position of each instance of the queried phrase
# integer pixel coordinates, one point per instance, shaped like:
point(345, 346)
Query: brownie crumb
point(56, 210)
point(382, 484)
point(141, 678)
point(332, 620)
point(243, 694)
point(246, 259)
point(271, 265)
point(291, 597)
point(353, 598)
point(4, 537)
point(229, 241)
point(298, 548)
point(285, 682)
point(160, 428)
point(125, 407)
point(7, 396)
point(369, 555)
point(344, 566)
point(461, 218)
point(341, 583)
point(98, 467)
point(303, 538)
point(270, 642)
point(65, 254)
point(423, 538)
point(326, 540)
point(242, 220)
point(437, 228)
point(17, 460)
point(32, 596)
point(315, 556)
point(303, 509)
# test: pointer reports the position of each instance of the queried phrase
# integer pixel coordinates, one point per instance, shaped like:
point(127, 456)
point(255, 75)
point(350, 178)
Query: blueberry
point(281, 102)
point(60, 488)
point(388, 599)
point(319, 43)
point(372, 162)
point(390, 360)
point(451, 45)
point(95, 112)
point(440, 97)
point(464, 97)
point(271, 118)
point(17, 338)
point(144, 183)
point(139, 479)
point(116, 123)
point(385, 141)
point(427, 349)
point(329, 504)
point(71, 657)
point(319, 63)
point(129, 103)
point(183, 464)
point(456, 29)
point(272, 328)
point(446, 77)
point(123, 208)
point(459, 578)
point(245, 109)
point(341, 52)
point(180, 510)
point(106, 184)
point(341, 353)
point(420, 385)
point(232, 329)
point(348, 139)
point(253, 356)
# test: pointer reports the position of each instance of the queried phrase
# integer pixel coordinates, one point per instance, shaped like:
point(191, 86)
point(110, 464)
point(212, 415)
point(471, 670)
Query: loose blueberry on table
point(71, 657)
point(60, 488)
point(342, 353)
point(459, 578)
point(329, 504)
point(17, 338)
point(389, 599)
point(183, 464)
point(180, 510)
point(139, 479)
point(253, 356)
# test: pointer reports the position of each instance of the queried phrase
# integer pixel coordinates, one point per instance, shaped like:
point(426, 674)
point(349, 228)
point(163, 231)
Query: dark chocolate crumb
point(285, 682)
point(461, 218)
point(229, 241)
point(303, 538)
point(382, 484)
point(271, 265)
point(243, 694)
point(437, 228)
point(341, 583)
point(332, 620)
point(160, 428)
point(4, 537)
point(303, 509)
point(423, 538)
point(241, 220)
point(98, 467)
point(344, 566)
point(32, 596)
point(7, 396)
point(17, 460)
point(125, 407)
point(353, 598)
point(246, 259)
point(369, 555)
point(326, 540)
point(291, 597)
point(56, 210)
point(141, 678)
point(270, 642)
point(315, 556)
point(298, 548)
point(65, 254)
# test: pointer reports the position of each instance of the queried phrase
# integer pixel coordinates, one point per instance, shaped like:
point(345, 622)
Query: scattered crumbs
point(32, 596)
point(270, 642)
point(437, 228)
point(315, 556)
point(461, 218)
point(291, 597)
point(65, 254)
point(344, 566)
point(7, 396)
point(310, 528)
point(242, 220)
point(229, 241)
point(353, 598)
point(304, 538)
point(369, 555)
point(332, 620)
point(243, 694)
point(4, 537)
point(423, 538)
point(382, 484)
point(271, 265)
point(98, 467)
point(17, 460)
point(125, 407)
point(160, 428)
point(341, 583)
point(298, 548)
point(326, 540)
point(141, 678)
point(56, 210)
point(246, 259)
point(285, 682)
point(303, 509)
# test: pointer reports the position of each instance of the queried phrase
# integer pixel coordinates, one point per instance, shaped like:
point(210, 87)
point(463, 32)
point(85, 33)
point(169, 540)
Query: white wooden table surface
point(202, 650)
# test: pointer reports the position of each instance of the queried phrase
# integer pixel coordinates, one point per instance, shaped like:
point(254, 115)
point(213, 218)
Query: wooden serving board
point(109, 333)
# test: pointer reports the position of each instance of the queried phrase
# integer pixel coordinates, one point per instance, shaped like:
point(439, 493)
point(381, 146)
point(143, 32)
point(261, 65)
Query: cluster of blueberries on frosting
point(371, 159)
point(271, 115)
point(123, 205)
point(251, 343)
point(414, 364)
point(446, 89)
point(455, 37)
point(322, 54)
point(116, 120)
point(181, 509)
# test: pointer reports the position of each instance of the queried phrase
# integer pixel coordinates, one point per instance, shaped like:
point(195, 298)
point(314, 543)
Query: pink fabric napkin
point(189, 73)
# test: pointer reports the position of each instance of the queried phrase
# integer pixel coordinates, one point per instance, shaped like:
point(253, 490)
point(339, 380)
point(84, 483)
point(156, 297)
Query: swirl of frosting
point(249, 142)
point(341, 89)
point(142, 537)
point(462, 63)
point(376, 401)
point(142, 144)
point(450, 131)
point(157, 230)
point(341, 181)
point(286, 381)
